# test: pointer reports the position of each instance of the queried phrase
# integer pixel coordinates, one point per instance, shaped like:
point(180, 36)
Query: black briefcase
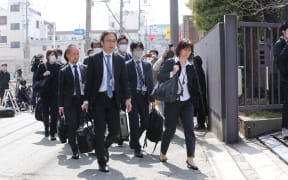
point(85, 135)
point(62, 129)
point(124, 131)
point(6, 112)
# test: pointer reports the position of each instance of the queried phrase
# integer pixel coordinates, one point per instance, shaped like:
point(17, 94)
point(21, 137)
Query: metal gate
point(258, 78)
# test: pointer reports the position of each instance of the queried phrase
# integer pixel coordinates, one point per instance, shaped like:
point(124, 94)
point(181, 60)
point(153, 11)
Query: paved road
point(27, 155)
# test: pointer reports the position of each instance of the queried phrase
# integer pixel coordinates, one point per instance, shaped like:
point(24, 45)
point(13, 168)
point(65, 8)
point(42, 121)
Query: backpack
point(155, 128)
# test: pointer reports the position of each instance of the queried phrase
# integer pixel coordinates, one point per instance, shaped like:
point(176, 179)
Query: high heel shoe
point(191, 166)
point(163, 160)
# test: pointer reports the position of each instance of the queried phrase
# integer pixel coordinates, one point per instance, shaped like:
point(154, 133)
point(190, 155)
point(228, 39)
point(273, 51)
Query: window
point(15, 44)
point(15, 26)
point(3, 39)
point(15, 8)
point(37, 24)
point(3, 20)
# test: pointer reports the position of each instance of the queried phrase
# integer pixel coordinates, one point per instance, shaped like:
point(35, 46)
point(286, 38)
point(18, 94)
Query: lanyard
point(107, 67)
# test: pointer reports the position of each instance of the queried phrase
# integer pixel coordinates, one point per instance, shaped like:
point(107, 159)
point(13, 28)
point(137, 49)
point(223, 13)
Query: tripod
point(8, 96)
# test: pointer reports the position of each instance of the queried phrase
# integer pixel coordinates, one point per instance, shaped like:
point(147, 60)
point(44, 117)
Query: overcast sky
point(70, 14)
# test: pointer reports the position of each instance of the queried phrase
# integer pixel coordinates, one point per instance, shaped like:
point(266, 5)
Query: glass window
point(15, 8)
point(3, 20)
point(15, 26)
point(37, 24)
point(3, 39)
point(15, 44)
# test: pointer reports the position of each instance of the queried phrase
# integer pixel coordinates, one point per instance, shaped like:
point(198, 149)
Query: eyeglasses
point(110, 41)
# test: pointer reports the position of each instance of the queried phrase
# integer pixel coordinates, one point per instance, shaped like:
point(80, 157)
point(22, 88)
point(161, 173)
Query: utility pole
point(88, 24)
point(139, 19)
point(121, 16)
point(174, 24)
point(26, 48)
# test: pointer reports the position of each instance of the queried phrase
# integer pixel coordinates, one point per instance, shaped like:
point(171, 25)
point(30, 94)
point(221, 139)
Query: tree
point(207, 13)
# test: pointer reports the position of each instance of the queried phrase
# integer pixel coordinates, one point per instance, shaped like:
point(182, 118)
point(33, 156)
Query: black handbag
point(39, 110)
point(85, 134)
point(62, 129)
point(41, 86)
point(168, 90)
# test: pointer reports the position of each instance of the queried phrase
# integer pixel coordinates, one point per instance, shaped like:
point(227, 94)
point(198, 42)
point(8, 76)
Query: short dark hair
point(67, 50)
point(106, 33)
point(59, 51)
point(197, 60)
point(50, 51)
point(97, 43)
point(122, 37)
point(4, 64)
point(155, 51)
point(136, 44)
point(183, 44)
point(283, 27)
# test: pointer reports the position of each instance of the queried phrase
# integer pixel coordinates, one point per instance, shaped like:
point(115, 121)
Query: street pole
point(139, 18)
point(174, 24)
point(88, 25)
point(121, 16)
point(26, 49)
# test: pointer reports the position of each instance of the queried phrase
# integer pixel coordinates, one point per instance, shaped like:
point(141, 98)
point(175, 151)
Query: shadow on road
point(92, 174)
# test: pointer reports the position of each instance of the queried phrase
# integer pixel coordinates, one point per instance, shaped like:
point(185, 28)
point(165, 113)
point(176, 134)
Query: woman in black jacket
point(183, 106)
point(50, 70)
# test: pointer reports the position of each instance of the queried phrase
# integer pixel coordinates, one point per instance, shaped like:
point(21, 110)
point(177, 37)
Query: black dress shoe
point(200, 127)
point(138, 153)
point(53, 138)
point(103, 168)
point(191, 166)
point(106, 155)
point(46, 133)
point(75, 156)
point(163, 160)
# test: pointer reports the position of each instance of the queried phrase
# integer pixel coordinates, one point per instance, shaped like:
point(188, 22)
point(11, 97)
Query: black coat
point(280, 52)
point(132, 78)
point(4, 80)
point(53, 78)
point(202, 100)
point(164, 75)
point(95, 76)
point(66, 84)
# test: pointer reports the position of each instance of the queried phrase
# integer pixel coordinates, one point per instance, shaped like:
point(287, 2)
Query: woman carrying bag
point(183, 106)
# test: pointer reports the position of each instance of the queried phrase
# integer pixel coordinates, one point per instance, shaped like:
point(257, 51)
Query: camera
point(149, 55)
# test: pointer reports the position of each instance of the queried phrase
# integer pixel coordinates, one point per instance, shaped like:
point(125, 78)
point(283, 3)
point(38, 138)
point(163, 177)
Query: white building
point(19, 26)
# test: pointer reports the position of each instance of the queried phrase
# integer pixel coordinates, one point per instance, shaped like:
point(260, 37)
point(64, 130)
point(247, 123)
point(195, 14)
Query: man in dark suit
point(4, 80)
point(106, 78)
point(71, 90)
point(140, 85)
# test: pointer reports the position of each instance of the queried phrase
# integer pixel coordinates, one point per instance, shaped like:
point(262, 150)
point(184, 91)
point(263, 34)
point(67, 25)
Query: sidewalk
point(248, 159)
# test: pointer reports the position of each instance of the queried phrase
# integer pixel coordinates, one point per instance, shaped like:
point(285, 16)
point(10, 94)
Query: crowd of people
point(118, 75)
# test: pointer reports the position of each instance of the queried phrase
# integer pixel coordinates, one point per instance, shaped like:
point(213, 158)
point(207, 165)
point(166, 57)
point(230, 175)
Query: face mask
point(123, 47)
point(97, 50)
point(52, 59)
point(137, 54)
point(59, 58)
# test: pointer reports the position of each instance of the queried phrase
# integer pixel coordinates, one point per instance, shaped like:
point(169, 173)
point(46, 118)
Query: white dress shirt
point(103, 86)
point(184, 81)
point(80, 78)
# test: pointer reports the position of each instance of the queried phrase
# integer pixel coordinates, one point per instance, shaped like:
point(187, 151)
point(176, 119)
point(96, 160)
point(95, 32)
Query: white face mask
point(123, 47)
point(137, 54)
point(52, 59)
point(97, 50)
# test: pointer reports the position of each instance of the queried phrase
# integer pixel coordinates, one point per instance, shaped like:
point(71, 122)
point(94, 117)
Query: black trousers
point(50, 108)
point(172, 111)
point(138, 119)
point(72, 117)
point(106, 114)
point(285, 107)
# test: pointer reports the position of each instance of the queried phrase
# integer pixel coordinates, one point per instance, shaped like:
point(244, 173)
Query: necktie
point(140, 75)
point(109, 77)
point(76, 81)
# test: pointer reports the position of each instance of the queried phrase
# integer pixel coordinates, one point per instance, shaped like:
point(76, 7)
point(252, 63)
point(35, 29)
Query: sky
point(70, 14)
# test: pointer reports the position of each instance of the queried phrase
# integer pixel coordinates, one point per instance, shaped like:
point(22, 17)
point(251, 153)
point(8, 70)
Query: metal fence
point(258, 78)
